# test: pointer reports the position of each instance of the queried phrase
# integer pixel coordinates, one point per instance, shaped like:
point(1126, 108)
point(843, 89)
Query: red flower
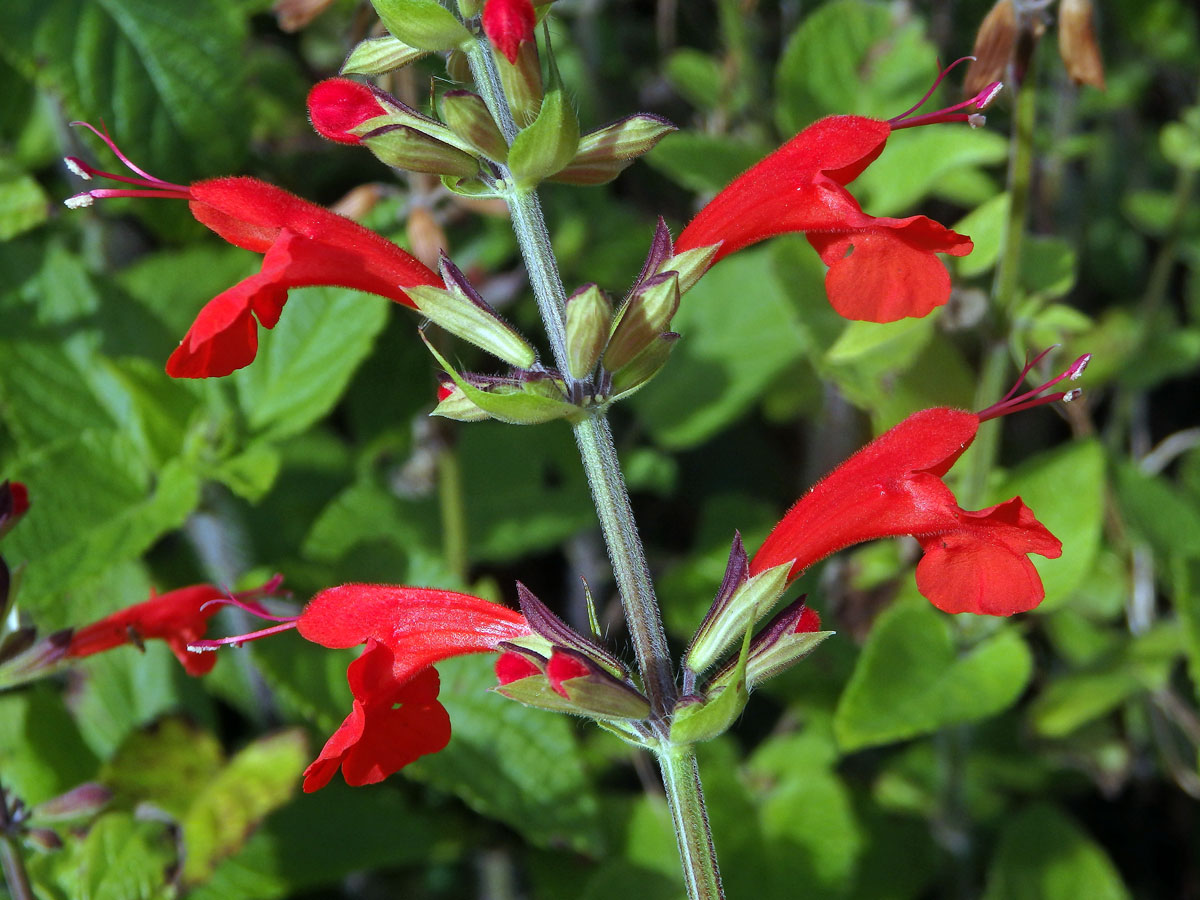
point(14, 503)
point(178, 617)
point(396, 717)
point(508, 24)
point(975, 561)
point(304, 245)
point(880, 269)
point(395, 721)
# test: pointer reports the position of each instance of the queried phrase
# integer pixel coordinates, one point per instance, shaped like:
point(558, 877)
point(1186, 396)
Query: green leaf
point(851, 56)
point(252, 473)
point(260, 778)
point(519, 765)
point(166, 765)
point(939, 686)
point(167, 83)
point(305, 363)
point(704, 162)
point(1044, 854)
point(696, 76)
point(1048, 265)
point(23, 203)
point(915, 161)
point(984, 225)
point(735, 343)
point(119, 859)
point(1065, 489)
point(41, 752)
point(1158, 512)
point(109, 510)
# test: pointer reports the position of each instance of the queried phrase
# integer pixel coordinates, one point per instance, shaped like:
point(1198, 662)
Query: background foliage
point(914, 755)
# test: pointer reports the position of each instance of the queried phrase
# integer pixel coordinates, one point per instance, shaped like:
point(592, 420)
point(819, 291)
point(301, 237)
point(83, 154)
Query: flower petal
point(889, 270)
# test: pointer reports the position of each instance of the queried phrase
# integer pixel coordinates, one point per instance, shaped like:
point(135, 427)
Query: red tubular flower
point(395, 721)
point(509, 23)
point(975, 561)
point(396, 716)
point(178, 617)
point(303, 245)
point(880, 269)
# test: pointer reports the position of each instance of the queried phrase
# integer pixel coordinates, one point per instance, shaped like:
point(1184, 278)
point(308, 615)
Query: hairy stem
point(681, 779)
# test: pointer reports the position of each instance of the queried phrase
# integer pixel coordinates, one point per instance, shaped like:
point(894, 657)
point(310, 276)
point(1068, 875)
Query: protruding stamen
point(145, 184)
point(238, 639)
point(1011, 402)
point(951, 113)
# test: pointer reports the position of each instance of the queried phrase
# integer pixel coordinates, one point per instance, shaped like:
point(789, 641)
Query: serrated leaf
point(110, 509)
point(939, 687)
point(306, 361)
point(166, 82)
point(165, 765)
point(519, 765)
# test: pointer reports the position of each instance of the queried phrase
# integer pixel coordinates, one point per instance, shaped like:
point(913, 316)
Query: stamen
point(951, 113)
point(1037, 397)
point(238, 639)
point(147, 185)
point(245, 600)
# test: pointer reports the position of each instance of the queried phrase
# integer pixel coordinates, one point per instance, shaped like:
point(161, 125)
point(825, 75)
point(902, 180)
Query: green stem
point(453, 511)
point(11, 863)
point(681, 780)
point(632, 574)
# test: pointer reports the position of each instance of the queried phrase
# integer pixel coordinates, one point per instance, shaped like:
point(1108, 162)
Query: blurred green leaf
point(167, 84)
point(915, 160)
point(985, 226)
point(1157, 512)
point(1048, 265)
point(23, 203)
point(696, 77)
point(119, 859)
point(305, 362)
point(166, 765)
point(851, 56)
point(1044, 854)
point(1065, 489)
point(939, 687)
point(704, 162)
point(41, 752)
point(735, 342)
point(260, 778)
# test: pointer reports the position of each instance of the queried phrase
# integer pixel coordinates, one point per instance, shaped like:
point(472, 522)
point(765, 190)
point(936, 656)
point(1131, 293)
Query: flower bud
point(404, 147)
point(460, 310)
point(690, 265)
point(645, 315)
point(589, 319)
point(469, 118)
point(568, 681)
point(522, 81)
point(785, 640)
point(550, 142)
point(605, 153)
point(79, 802)
point(375, 56)
point(14, 503)
point(508, 24)
point(454, 404)
point(637, 373)
point(424, 24)
point(740, 602)
point(293, 15)
point(1077, 43)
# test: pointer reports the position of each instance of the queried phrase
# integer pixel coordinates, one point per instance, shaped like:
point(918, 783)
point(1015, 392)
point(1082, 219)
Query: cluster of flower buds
point(537, 135)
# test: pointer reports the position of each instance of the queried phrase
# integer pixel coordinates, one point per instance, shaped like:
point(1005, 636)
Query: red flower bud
point(508, 23)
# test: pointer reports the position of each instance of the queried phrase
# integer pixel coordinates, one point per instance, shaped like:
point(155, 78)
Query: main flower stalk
point(681, 780)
